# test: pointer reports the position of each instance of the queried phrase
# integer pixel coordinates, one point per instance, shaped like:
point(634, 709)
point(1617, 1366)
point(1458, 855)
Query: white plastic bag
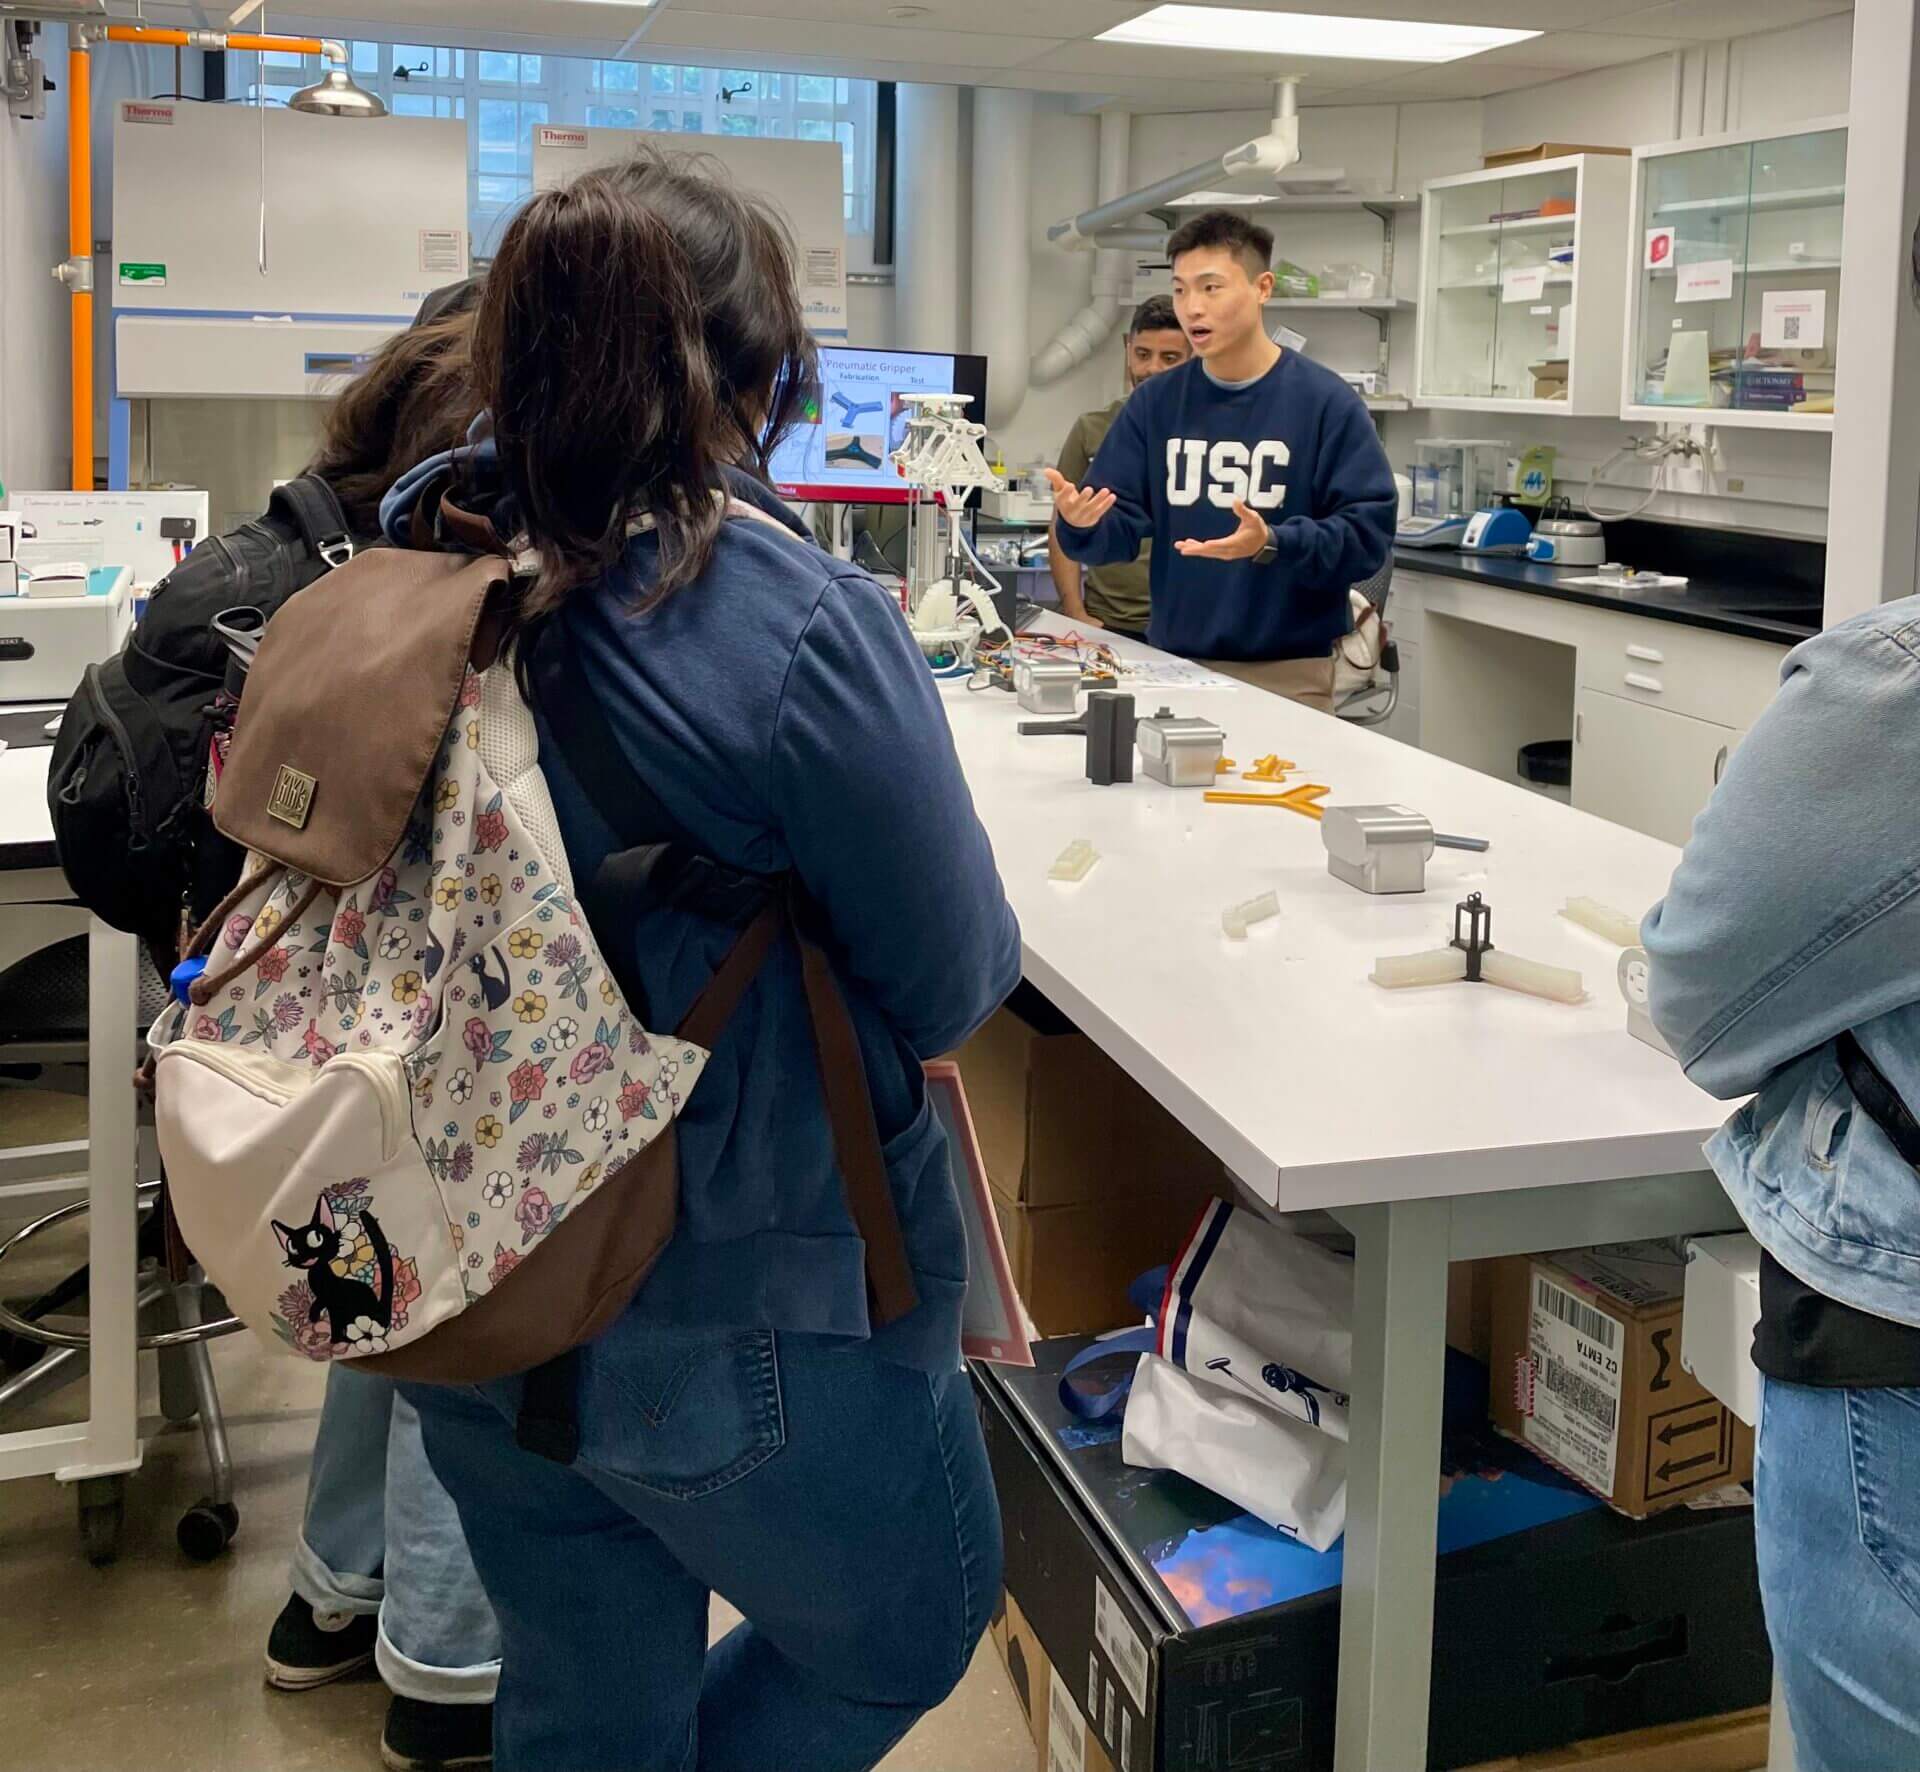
point(1246, 1391)
point(1281, 1471)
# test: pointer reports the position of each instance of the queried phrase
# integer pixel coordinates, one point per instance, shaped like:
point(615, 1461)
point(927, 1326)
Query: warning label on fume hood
point(443, 251)
point(135, 276)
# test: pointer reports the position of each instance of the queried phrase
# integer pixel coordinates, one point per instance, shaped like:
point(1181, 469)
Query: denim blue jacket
point(1795, 915)
point(780, 709)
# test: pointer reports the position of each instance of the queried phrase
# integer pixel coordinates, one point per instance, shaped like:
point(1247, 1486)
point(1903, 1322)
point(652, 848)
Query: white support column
point(1393, 1485)
point(927, 253)
point(1873, 547)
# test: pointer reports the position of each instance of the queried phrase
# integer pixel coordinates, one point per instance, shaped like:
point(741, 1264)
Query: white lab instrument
point(1633, 977)
point(1180, 752)
point(1046, 685)
point(1431, 532)
point(47, 643)
point(941, 459)
point(1075, 861)
point(1017, 504)
point(802, 180)
point(1237, 919)
point(251, 279)
point(148, 532)
point(1720, 1313)
point(1605, 922)
point(1567, 541)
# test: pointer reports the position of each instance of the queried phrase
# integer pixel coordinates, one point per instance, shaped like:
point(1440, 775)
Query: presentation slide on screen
point(843, 447)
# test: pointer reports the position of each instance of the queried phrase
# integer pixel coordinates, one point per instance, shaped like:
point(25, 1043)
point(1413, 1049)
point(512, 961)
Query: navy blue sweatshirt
point(1297, 446)
point(782, 712)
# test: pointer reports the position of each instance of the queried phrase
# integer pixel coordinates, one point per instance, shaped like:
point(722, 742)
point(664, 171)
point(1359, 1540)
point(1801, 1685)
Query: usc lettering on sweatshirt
point(1298, 446)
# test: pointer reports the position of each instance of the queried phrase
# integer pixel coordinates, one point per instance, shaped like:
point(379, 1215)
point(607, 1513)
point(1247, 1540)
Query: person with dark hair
point(1256, 472)
point(381, 1571)
point(1116, 597)
point(749, 1427)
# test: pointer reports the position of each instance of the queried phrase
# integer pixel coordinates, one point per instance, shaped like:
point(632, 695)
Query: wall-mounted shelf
point(1526, 224)
point(1387, 402)
point(1769, 207)
point(1480, 344)
point(1380, 304)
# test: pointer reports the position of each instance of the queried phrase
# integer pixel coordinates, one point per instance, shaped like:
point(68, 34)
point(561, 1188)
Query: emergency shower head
point(337, 95)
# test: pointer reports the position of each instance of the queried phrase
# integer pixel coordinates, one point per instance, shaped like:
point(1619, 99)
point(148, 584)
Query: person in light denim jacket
point(1794, 919)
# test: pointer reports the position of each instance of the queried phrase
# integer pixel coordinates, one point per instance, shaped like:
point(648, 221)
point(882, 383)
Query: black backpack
point(129, 782)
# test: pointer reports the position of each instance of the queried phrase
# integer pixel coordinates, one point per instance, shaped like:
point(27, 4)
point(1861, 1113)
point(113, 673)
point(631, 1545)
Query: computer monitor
point(841, 452)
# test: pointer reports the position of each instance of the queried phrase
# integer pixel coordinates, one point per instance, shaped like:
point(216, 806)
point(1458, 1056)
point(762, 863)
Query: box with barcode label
point(1587, 1373)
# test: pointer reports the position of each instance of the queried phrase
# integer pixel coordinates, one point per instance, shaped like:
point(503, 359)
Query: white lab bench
point(1438, 1125)
point(35, 908)
point(1654, 707)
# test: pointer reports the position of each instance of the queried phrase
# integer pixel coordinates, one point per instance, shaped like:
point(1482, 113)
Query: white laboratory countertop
point(26, 827)
point(1317, 1088)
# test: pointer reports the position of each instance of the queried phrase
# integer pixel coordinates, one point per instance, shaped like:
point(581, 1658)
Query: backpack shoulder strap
point(625, 800)
point(316, 513)
point(1879, 1098)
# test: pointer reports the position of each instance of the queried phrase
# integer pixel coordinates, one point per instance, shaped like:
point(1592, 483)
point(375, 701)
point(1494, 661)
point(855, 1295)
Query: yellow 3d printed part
point(1075, 861)
point(1605, 922)
point(1274, 768)
point(1303, 799)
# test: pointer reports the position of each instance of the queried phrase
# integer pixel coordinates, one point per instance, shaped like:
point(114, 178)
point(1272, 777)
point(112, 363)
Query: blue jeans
point(843, 1504)
point(381, 1535)
point(1837, 1521)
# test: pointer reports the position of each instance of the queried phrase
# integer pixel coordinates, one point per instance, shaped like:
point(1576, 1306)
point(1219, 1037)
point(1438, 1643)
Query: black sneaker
point(307, 1649)
point(422, 1737)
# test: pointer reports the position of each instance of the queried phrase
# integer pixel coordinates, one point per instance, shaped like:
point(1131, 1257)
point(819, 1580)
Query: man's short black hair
point(1155, 314)
point(1229, 229)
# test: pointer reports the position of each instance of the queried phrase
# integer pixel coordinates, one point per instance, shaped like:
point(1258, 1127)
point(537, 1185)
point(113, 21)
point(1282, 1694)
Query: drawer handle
point(1646, 655)
point(1640, 680)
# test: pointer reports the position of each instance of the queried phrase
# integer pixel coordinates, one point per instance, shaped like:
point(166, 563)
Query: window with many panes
point(504, 96)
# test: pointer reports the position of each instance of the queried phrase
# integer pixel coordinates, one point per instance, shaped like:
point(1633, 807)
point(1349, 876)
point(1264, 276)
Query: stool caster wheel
point(103, 1515)
point(206, 1529)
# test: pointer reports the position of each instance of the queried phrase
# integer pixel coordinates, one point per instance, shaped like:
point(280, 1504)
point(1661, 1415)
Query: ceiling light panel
point(1310, 35)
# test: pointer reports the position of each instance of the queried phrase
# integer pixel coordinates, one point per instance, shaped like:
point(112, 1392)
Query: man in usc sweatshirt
point(1256, 473)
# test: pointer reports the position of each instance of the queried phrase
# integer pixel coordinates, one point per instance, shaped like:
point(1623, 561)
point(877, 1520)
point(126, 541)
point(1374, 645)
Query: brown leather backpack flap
point(346, 704)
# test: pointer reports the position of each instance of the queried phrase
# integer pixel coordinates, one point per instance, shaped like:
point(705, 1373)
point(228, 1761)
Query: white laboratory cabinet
point(1655, 708)
point(1733, 297)
point(1521, 288)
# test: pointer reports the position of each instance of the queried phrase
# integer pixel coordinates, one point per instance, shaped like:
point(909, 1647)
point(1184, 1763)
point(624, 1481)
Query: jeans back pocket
point(679, 1412)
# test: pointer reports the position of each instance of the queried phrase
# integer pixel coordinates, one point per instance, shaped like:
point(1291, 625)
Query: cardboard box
point(1736, 1743)
point(1093, 1181)
point(1546, 151)
point(1055, 1722)
point(1192, 1637)
point(1470, 1308)
point(1587, 1373)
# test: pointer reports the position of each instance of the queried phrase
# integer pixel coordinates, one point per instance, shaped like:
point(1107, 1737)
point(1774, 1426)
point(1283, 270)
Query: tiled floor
point(154, 1665)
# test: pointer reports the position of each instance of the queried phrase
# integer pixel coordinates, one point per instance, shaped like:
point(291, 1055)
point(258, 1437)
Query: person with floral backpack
point(773, 1418)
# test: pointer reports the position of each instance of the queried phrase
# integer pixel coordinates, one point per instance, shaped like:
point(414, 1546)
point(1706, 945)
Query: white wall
point(34, 430)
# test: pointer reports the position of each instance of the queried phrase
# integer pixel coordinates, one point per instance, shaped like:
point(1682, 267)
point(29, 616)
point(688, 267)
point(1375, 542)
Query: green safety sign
point(132, 274)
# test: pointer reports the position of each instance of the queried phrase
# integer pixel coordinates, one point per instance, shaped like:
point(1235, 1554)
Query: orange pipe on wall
point(228, 39)
point(80, 250)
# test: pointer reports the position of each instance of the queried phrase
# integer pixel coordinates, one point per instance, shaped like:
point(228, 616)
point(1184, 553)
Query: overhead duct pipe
point(1089, 329)
point(1002, 263)
point(1266, 156)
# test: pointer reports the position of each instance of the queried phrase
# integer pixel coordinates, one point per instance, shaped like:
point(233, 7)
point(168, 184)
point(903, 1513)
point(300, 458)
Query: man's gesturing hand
point(1078, 507)
point(1246, 541)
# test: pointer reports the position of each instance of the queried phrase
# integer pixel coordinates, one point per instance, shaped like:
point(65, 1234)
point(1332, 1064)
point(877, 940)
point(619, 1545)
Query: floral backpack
point(407, 1080)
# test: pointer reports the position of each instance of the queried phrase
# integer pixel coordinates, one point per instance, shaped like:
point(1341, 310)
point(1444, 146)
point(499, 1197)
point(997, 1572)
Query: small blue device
point(181, 980)
point(1500, 530)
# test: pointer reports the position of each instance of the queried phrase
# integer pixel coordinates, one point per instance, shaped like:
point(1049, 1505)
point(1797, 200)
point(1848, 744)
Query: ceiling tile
point(1056, 19)
point(1117, 60)
point(1579, 51)
point(1710, 20)
point(1519, 15)
point(780, 38)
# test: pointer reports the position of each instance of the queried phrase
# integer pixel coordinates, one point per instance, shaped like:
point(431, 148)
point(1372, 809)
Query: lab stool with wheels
point(43, 1041)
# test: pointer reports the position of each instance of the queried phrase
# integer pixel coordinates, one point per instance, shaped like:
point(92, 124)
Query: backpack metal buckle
point(336, 550)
